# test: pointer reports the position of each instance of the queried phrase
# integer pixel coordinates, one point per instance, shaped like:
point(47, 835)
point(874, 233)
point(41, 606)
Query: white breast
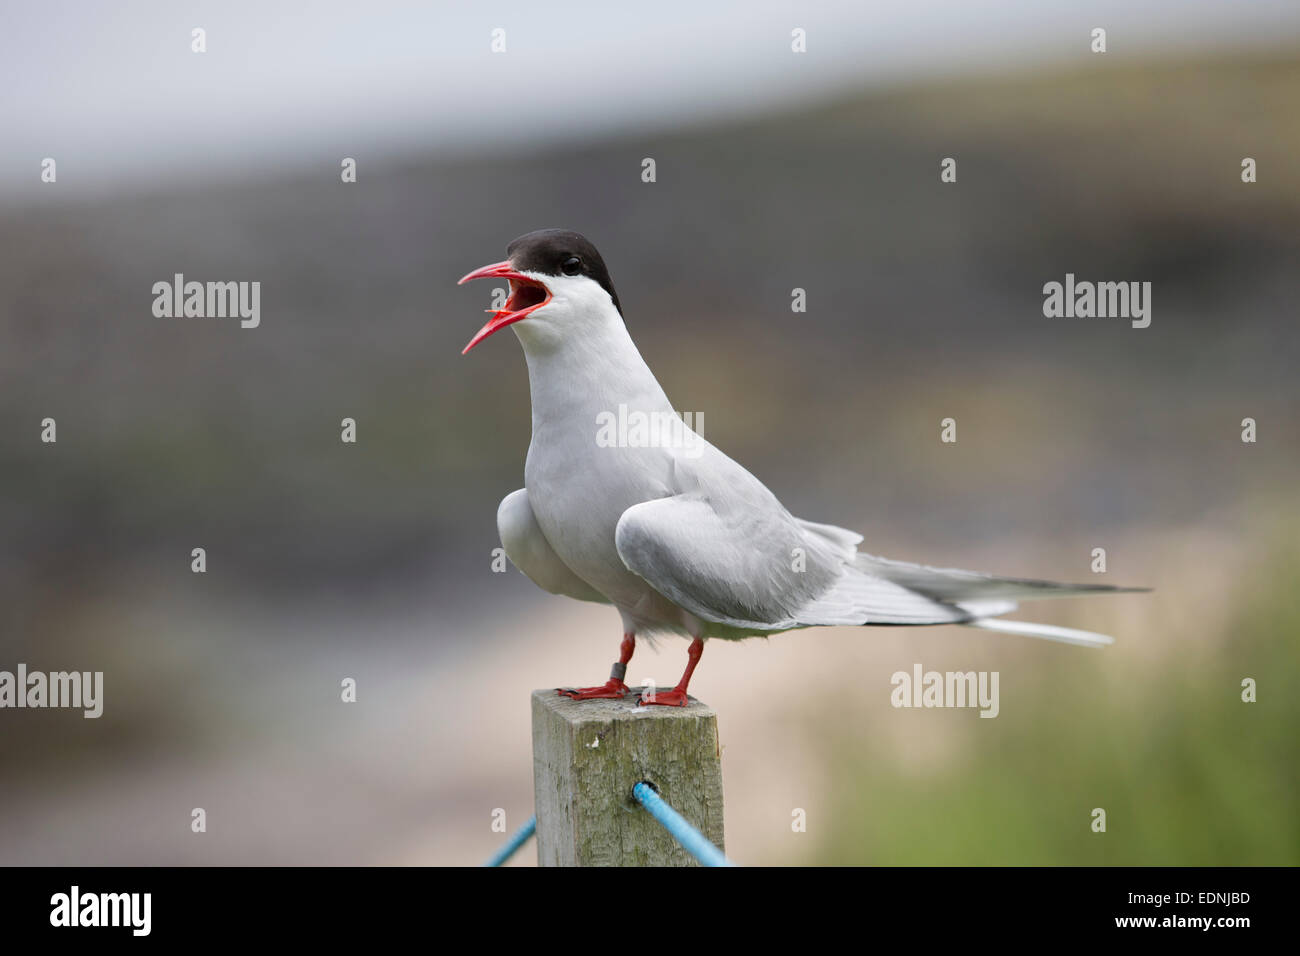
point(583, 364)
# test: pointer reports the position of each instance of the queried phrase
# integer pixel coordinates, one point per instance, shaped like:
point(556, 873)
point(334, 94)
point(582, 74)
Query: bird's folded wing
point(526, 545)
point(750, 564)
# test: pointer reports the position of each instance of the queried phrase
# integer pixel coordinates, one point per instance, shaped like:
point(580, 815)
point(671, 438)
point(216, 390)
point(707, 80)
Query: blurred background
point(775, 170)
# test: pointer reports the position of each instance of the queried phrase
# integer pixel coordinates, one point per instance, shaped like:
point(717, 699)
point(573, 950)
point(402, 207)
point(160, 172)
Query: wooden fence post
point(587, 757)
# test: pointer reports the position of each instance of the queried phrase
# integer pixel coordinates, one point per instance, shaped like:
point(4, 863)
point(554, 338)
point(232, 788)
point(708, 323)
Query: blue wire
point(519, 839)
point(692, 840)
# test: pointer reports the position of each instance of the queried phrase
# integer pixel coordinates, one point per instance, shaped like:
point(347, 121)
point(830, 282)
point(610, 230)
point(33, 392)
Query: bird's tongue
point(526, 296)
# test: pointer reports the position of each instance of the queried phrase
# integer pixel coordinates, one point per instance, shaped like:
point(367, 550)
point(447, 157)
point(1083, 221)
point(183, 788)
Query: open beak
point(526, 296)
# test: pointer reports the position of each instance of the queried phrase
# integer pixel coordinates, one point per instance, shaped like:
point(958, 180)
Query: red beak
point(526, 296)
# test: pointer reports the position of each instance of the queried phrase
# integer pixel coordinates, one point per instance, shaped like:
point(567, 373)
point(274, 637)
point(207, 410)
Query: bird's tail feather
point(1050, 632)
point(958, 587)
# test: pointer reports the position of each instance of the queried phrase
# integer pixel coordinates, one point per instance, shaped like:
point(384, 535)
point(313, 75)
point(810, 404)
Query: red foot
point(664, 698)
point(610, 690)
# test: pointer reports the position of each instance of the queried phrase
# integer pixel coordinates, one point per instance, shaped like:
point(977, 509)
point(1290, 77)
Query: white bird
point(673, 533)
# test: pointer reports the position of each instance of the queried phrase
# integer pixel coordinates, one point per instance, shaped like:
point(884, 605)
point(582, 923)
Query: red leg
point(677, 696)
point(614, 688)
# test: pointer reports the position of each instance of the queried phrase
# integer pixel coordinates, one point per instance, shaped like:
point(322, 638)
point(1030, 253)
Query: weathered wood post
point(587, 757)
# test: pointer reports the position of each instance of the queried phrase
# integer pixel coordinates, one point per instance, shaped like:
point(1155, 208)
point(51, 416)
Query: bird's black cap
point(552, 251)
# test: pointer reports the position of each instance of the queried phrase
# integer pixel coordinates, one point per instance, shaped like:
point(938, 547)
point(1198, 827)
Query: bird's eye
point(571, 266)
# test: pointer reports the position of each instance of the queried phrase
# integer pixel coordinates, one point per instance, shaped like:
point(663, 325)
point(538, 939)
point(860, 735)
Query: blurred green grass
point(1187, 773)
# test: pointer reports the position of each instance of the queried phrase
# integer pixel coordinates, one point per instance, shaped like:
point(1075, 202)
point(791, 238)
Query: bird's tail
point(986, 597)
point(957, 596)
point(1049, 632)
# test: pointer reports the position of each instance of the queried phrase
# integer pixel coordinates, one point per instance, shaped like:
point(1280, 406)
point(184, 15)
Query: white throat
point(581, 359)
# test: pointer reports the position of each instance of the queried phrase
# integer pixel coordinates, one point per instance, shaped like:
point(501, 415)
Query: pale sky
point(113, 92)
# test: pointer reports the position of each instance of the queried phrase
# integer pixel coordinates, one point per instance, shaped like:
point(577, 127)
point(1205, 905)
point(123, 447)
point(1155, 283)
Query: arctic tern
point(674, 534)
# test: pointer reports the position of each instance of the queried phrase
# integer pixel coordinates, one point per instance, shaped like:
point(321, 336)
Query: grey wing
point(526, 546)
point(747, 563)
